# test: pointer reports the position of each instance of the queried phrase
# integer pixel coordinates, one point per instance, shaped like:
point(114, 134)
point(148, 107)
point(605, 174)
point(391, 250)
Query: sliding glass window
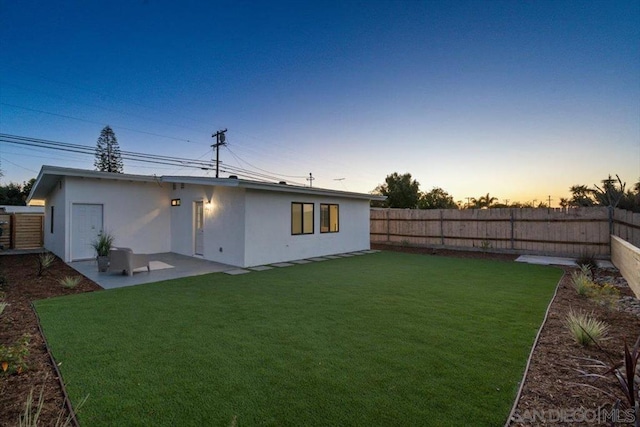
point(329, 218)
point(301, 218)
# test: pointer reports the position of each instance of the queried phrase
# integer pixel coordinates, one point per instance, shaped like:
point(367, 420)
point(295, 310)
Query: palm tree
point(581, 195)
point(564, 202)
point(483, 201)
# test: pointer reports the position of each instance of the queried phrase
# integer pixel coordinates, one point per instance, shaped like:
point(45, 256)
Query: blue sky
point(519, 99)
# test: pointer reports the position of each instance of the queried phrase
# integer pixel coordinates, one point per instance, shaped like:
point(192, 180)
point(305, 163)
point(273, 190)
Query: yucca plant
point(70, 281)
point(102, 244)
point(585, 328)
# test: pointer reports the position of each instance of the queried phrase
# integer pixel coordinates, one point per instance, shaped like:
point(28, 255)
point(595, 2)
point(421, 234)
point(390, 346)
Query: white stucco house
point(229, 220)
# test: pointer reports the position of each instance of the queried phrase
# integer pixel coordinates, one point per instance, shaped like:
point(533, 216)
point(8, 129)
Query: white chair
point(123, 260)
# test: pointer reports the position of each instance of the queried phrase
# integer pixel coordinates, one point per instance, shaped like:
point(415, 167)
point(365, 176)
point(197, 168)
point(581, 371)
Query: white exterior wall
point(55, 242)
point(136, 213)
point(268, 228)
point(223, 222)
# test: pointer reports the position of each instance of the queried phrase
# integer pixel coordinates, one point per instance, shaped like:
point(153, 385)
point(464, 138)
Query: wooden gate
point(22, 230)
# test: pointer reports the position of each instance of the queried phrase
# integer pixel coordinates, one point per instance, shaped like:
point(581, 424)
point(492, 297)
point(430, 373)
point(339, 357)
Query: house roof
point(49, 176)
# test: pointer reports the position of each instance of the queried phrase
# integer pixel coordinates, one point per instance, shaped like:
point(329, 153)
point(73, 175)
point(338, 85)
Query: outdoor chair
point(123, 260)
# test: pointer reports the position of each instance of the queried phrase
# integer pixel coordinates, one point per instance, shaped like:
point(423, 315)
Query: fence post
point(388, 214)
point(610, 211)
point(12, 231)
point(511, 220)
point(441, 227)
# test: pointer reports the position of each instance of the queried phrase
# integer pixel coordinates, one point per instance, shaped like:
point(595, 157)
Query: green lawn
point(380, 339)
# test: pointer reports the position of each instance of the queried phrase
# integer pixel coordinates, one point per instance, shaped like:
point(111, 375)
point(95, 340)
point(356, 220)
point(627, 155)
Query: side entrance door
point(86, 225)
point(198, 226)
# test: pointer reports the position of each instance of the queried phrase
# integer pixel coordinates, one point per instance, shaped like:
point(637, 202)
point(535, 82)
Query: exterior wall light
point(175, 202)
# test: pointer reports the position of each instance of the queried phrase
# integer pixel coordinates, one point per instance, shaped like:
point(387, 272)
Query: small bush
point(606, 295)
point(585, 328)
point(70, 281)
point(45, 260)
point(13, 358)
point(587, 261)
point(582, 281)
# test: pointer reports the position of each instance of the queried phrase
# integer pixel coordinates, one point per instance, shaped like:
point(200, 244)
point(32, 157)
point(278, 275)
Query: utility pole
point(549, 205)
point(310, 179)
point(221, 139)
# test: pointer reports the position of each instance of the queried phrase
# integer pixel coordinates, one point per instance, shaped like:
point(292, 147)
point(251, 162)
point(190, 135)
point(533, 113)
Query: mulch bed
point(551, 384)
point(22, 286)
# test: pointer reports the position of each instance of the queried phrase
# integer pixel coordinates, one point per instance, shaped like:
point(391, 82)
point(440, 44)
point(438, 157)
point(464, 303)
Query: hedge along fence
point(562, 232)
point(22, 230)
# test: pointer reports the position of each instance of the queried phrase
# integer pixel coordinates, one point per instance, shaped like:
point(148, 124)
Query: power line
point(135, 156)
point(113, 110)
point(91, 121)
point(263, 170)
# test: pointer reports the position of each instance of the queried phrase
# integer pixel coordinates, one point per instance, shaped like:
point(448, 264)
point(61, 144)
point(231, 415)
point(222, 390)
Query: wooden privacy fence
point(22, 230)
point(561, 232)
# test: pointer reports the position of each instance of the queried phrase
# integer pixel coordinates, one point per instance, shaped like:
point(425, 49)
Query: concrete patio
point(164, 266)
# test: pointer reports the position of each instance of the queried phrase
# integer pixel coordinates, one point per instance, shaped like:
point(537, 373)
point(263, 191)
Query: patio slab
point(261, 268)
point(164, 266)
point(282, 264)
point(301, 261)
point(236, 271)
point(549, 260)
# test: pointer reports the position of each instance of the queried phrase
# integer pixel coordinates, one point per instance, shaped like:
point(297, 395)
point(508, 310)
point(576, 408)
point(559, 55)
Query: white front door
point(198, 226)
point(86, 224)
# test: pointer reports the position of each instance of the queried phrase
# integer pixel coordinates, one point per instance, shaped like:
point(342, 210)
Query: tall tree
point(401, 191)
point(26, 188)
point(108, 157)
point(11, 194)
point(611, 192)
point(485, 201)
point(581, 196)
point(437, 198)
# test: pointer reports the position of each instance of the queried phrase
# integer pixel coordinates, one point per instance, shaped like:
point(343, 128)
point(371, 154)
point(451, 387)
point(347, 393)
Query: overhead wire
point(174, 161)
point(35, 110)
point(113, 110)
point(260, 169)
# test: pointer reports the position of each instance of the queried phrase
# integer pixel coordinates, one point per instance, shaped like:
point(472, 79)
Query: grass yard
point(380, 339)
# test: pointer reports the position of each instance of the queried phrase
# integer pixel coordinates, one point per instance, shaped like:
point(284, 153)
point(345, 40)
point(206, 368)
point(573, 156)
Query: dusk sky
point(519, 99)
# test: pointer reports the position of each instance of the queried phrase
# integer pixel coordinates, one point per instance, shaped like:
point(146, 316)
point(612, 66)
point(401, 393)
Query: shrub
point(587, 261)
point(582, 281)
point(13, 358)
point(102, 244)
point(585, 328)
point(626, 374)
point(45, 260)
point(606, 295)
point(70, 281)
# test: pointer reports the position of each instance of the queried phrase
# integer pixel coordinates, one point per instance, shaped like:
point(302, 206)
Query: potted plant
point(102, 245)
